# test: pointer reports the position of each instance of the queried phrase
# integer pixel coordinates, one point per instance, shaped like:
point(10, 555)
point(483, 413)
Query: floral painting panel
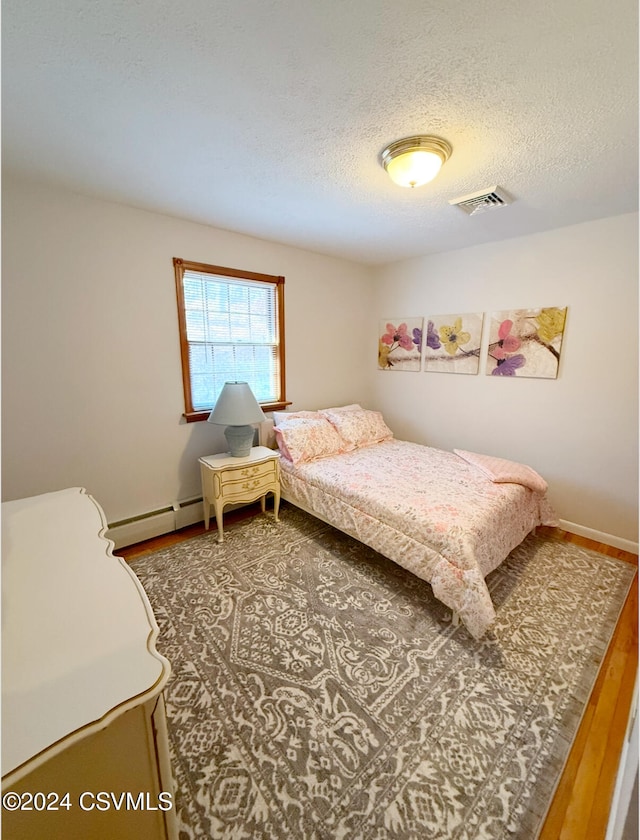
point(452, 343)
point(526, 342)
point(400, 344)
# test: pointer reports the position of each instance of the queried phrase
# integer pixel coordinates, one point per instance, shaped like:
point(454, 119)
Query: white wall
point(92, 386)
point(580, 430)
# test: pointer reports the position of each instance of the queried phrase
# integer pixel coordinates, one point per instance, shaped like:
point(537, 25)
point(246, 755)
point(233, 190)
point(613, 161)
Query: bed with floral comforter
point(431, 511)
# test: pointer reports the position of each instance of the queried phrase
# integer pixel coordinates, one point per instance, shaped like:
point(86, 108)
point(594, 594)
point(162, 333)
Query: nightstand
point(227, 480)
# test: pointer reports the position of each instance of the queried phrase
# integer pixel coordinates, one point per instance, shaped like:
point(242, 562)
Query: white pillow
point(281, 416)
point(352, 407)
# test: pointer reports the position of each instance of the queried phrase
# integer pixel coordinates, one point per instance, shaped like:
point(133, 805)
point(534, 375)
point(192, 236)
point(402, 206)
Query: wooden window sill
point(197, 416)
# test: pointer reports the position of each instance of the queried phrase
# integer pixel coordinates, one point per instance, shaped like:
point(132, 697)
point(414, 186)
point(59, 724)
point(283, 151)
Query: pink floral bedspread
point(427, 510)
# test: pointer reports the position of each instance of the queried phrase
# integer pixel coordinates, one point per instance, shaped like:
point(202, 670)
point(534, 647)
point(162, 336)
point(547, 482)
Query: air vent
point(480, 202)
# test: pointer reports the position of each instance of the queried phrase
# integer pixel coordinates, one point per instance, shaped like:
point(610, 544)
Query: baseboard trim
point(599, 536)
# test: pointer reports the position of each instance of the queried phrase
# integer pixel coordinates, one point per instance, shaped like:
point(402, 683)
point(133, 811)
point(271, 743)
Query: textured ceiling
point(267, 117)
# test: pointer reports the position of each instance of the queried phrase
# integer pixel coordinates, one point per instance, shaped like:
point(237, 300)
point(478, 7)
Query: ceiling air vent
point(481, 201)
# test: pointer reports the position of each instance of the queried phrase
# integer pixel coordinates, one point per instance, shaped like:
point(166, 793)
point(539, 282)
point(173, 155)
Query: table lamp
point(237, 409)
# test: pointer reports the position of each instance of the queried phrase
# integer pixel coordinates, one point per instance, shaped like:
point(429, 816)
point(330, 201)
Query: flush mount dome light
point(415, 160)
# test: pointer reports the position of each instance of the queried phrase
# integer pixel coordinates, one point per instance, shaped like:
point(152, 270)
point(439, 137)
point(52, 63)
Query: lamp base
point(239, 439)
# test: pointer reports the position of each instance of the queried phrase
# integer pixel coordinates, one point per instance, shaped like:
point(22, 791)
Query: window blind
point(232, 334)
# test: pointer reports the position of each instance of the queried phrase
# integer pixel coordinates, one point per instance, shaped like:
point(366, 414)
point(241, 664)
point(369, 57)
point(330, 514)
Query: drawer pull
point(249, 471)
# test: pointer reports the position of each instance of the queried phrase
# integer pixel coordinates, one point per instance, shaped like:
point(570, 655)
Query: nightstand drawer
point(257, 484)
point(249, 473)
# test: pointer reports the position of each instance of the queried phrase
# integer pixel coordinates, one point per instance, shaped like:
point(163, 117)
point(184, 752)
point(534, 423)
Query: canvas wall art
point(400, 344)
point(526, 342)
point(452, 343)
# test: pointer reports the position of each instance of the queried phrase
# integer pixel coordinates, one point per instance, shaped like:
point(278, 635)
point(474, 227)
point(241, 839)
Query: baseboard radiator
point(153, 524)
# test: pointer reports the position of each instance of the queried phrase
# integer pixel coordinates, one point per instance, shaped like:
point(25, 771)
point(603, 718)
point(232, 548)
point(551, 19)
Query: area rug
point(320, 692)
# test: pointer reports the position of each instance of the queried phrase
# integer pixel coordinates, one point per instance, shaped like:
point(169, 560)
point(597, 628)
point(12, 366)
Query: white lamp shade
point(236, 406)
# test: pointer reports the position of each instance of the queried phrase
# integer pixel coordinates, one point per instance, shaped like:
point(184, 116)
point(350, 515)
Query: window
point(231, 328)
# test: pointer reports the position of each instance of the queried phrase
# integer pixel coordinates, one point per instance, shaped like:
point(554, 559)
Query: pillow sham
point(302, 440)
point(359, 428)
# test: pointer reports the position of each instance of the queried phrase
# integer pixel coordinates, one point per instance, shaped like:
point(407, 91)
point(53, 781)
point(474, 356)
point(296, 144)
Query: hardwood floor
point(581, 806)
point(580, 809)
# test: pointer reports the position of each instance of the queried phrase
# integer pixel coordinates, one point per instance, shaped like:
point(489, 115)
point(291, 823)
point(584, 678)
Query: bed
point(448, 517)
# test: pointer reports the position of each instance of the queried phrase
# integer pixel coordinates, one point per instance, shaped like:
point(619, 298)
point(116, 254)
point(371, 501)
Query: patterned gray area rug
point(319, 692)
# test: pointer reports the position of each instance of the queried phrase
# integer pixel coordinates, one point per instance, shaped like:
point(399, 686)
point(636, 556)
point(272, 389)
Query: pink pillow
point(359, 428)
point(301, 440)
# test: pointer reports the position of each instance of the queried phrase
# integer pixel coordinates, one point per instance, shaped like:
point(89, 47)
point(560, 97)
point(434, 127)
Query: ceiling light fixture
point(415, 160)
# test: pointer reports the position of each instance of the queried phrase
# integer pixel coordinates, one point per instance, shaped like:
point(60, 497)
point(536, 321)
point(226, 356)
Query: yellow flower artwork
point(452, 343)
point(454, 337)
point(551, 323)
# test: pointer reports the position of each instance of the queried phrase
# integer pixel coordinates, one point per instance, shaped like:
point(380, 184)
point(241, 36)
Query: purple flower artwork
point(509, 365)
point(526, 342)
point(400, 344)
point(453, 343)
point(432, 336)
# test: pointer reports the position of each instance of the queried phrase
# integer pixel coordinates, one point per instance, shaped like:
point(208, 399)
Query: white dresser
point(84, 741)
